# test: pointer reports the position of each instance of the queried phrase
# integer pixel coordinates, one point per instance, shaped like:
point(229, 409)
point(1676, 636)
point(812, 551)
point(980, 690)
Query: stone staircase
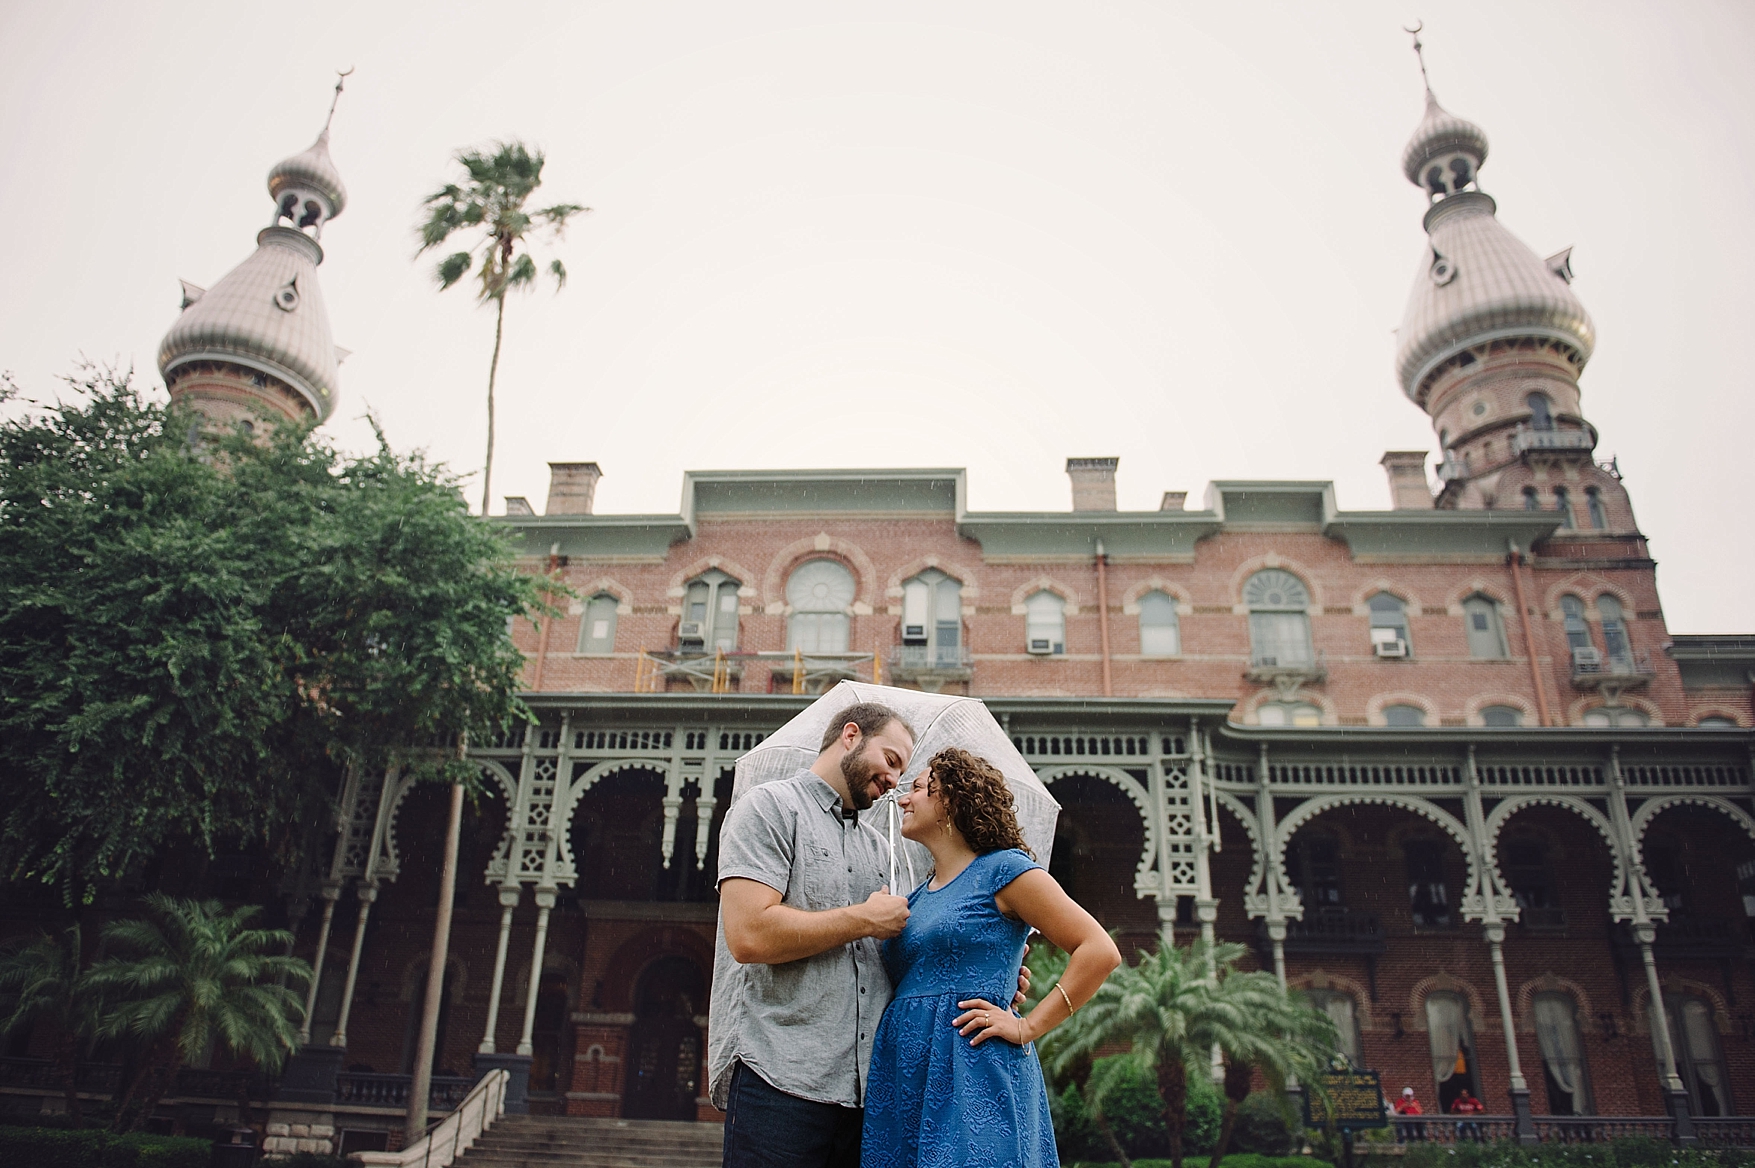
point(549, 1141)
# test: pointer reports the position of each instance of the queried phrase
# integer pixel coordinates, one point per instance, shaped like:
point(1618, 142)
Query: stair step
point(547, 1141)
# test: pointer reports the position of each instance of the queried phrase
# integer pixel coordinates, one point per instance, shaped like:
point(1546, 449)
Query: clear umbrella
point(939, 720)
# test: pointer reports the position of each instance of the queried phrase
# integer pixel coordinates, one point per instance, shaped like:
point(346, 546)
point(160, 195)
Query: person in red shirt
point(1408, 1105)
point(1467, 1104)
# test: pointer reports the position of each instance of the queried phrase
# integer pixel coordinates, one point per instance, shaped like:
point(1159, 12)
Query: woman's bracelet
point(1070, 1008)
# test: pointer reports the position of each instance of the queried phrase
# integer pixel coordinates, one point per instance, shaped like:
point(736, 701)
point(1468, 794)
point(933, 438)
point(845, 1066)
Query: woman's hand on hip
point(984, 1020)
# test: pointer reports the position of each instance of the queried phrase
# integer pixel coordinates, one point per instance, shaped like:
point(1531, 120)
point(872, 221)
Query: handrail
point(454, 1134)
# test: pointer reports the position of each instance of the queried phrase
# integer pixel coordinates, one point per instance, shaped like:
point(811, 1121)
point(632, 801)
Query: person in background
point(1467, 1104)
point(1404, 1130)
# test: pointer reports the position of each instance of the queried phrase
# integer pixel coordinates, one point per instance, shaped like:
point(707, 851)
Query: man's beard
point(858, 773)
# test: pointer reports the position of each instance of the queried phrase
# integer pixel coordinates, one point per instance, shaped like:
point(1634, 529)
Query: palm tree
point(189, 976)
point(1257, 1026)
point(1160, 1006)
point(44, 972)
point(1047, 963)
point(492, 197)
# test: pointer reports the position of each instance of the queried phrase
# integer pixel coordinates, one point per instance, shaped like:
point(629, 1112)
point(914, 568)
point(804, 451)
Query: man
point(798, 983)
point(1466, 1104)
point(1408, 1105)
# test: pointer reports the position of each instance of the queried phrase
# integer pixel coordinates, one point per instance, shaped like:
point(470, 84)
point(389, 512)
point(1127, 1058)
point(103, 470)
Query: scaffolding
point(714, 671)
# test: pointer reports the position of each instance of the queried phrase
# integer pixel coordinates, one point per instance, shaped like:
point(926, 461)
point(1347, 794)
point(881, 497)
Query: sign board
point(1354, 1097)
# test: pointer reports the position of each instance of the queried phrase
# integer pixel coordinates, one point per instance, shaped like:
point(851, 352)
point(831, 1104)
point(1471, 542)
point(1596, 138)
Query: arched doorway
point(549, 1035)
point(664, 1048)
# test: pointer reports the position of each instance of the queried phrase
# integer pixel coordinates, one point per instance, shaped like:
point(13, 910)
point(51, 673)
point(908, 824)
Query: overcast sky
point(921, 234)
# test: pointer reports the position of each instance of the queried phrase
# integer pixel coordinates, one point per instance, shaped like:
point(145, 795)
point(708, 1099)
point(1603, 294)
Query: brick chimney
point(1093, 483)
point(1174, 501)
point(571, 486)
point(1407, 480)
point(518, 505)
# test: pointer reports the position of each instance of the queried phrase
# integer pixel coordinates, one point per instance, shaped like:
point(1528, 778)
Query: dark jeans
point(767, 1128)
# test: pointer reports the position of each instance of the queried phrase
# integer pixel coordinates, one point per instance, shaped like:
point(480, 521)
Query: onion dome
point(308, 177)
point(266, 314)
point(1445, 152)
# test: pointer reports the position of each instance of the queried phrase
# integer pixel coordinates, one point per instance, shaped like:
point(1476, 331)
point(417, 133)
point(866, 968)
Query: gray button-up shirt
point(805, 1026)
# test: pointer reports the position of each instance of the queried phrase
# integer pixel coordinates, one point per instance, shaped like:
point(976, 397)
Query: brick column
point(600, 1047)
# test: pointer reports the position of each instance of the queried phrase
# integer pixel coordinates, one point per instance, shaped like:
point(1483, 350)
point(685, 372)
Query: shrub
point(86, 1148)
point(1136, 1115)
point(1265, 1126)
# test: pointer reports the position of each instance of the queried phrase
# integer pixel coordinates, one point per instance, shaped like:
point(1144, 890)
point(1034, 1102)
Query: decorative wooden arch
point(1130, 786)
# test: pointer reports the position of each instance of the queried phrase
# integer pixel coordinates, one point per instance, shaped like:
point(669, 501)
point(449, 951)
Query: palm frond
point(452, 268)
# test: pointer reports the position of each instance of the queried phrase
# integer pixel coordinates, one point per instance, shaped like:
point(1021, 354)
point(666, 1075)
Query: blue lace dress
point(932, 1100)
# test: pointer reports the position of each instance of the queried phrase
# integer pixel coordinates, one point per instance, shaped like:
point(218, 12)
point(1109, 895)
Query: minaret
point(1493, 344)
point(256, 346)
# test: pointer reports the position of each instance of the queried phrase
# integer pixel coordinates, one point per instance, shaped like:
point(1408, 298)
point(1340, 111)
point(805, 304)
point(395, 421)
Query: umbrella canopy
point(939, 720)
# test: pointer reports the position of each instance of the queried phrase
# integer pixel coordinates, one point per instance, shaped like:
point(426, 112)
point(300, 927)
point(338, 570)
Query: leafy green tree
point(200, 632)
point(190, 977)
point(44, 973)
point(491, 200)
point(1257, 1026)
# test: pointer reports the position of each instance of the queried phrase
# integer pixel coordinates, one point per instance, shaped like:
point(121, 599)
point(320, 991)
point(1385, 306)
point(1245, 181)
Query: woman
point(954, 1079)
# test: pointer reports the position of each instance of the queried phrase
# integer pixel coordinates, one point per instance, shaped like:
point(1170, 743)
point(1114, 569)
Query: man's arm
point(760, 930)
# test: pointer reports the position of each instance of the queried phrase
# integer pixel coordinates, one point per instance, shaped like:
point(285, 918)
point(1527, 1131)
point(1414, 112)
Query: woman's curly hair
point(978, 800)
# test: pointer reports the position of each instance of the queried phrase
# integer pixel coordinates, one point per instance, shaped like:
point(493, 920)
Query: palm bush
point(44, 974)
point(189, 977)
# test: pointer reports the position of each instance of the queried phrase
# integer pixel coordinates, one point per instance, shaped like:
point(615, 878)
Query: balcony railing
point(910, 662)
point(1331, 932)
point(1600, 1129)
point(1454, 1129)
point(1592, 670)
point(1525, 439)
point(368, 1089)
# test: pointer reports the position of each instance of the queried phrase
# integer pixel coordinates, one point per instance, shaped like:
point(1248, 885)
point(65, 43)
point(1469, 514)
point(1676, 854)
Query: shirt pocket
point(825, 885)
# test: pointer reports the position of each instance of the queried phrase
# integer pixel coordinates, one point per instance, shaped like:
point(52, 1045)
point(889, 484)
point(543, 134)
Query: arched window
point(1577, 631)
point(597, 629)
point(1453, 1046)
point(1531, 501)
point(820, 594)
point(1313, 859)
point(1279, 620)
point(1428, 890)
point(1616, 647)
point(1403, 715)
point(1717, 722)
point(1524, 860)
point(1343, 1012)
point(1563, 504)
point(1502, 716)
point(1045, 623)
point(1562, 1054)
point(1698, 1058)
point(1288, 714)
point(1484, 627)
point(1593, 501)
point(709, 619)
point(1541, 411)
point(1160, 631)
point(932, 617)
point(1389, 626)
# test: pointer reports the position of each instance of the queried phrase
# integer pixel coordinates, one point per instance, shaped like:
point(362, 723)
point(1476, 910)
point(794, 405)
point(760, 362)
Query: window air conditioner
point(689, 631)
point(1591, 656)
point(1397, 648)
point(914, 634)
point(1041, 646)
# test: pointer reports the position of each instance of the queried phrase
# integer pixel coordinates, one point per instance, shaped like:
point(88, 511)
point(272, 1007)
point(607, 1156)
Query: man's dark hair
point(870, 717)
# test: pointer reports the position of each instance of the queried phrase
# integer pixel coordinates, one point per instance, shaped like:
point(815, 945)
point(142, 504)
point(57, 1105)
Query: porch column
point(1495, 902)
point(1270, 875)
point(1644, 933)
point(367, 892)
point(545, 900)
point(509, 894)
point(331, 892)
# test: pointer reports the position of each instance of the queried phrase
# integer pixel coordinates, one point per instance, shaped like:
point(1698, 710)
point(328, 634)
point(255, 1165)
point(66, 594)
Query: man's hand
point(886, 914)
point(1023, 983)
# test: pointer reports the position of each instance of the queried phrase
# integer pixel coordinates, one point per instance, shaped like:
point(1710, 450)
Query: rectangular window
point(597, 629)
point(1486, 632)
point(1280, 638)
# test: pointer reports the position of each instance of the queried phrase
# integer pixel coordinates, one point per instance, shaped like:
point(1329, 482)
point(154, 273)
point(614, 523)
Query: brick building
point(1443, 766)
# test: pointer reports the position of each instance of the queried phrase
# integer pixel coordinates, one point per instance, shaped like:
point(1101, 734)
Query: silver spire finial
point(1420, 52)
point(341, 76)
